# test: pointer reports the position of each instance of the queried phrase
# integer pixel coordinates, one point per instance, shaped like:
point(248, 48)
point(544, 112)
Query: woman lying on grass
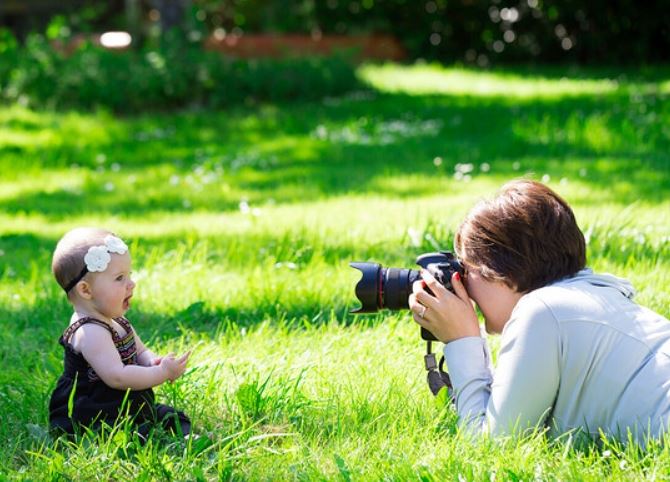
point(108, 371)
point(576, 352)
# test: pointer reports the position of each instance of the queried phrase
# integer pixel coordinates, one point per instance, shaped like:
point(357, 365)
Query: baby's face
point(113, 288)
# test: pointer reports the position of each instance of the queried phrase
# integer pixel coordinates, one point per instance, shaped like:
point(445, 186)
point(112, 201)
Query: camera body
point(389, 288)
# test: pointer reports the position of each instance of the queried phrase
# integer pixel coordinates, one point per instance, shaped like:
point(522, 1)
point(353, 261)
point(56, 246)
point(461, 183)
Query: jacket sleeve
point(521, 393)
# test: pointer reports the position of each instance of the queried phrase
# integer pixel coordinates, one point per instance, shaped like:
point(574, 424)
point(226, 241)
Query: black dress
point(80, 391)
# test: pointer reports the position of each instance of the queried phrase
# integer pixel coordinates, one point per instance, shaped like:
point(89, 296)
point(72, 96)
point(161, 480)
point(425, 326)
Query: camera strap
point(438, 379)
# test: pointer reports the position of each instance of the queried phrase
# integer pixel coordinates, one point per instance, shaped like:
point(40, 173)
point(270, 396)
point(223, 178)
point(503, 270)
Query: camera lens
point(381, 287)
point(398, 287)
point(369, 288)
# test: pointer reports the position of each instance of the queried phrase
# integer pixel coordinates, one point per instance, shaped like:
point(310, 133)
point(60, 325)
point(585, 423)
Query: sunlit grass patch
point(435, 79)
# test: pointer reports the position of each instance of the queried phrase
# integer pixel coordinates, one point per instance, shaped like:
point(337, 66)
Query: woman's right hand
point(446, 315)
point(174, 366)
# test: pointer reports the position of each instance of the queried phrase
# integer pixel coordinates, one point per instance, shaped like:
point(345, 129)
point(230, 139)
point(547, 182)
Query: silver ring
point(423, 311)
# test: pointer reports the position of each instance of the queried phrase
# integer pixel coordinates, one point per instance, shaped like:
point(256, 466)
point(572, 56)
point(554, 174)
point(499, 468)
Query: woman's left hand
point(446, 315)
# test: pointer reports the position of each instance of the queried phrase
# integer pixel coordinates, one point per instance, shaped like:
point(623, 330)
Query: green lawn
point(241, 225)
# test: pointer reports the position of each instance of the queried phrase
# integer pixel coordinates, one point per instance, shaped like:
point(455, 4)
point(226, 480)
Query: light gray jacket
point(576, 354)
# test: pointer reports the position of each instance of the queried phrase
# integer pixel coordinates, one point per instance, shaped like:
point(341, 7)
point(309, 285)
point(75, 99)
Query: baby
point(108, 371)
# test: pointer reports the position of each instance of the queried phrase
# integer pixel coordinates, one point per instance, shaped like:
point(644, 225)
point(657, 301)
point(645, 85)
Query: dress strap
point(82, 321)
point(124, 323)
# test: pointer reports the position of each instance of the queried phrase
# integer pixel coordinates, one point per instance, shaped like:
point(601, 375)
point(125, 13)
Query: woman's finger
point(422, 297)
point(435, 286)
point(457, 285)
point(426, 299)
point(418, 286)
point(421, 321)
point(417, 308)
point(411, 301)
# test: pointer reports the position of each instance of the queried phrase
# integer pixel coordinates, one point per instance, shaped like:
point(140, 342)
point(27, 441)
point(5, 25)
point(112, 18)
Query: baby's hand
point(174, 367)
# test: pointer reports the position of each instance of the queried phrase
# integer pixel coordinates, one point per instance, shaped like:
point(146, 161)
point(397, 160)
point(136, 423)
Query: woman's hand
point(446, 315)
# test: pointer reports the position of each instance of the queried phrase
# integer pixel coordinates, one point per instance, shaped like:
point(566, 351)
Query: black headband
point(76, 280)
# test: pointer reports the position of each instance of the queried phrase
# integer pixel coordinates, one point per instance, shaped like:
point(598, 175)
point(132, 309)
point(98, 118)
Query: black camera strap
point(437, 377)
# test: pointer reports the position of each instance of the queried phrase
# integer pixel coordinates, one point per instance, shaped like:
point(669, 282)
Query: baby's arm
point(145, 357)
point(98, 349)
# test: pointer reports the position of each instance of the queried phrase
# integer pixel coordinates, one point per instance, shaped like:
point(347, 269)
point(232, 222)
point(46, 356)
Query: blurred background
point(470, 31)
point(42, 39)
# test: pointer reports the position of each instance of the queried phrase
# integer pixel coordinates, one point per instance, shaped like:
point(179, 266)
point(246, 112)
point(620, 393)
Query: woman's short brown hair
point(526, 237)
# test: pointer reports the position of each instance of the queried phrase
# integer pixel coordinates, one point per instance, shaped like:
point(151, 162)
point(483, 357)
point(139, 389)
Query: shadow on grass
point(268, 258)
point(211, 161)
point(26, 255)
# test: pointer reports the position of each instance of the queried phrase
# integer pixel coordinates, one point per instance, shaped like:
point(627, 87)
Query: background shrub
point(474, 31)
point(174, 74)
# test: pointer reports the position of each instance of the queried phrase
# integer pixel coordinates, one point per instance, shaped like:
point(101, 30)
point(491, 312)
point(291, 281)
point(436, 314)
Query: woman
point(576, 352)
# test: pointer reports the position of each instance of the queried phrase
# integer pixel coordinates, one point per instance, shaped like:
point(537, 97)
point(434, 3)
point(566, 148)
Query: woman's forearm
point(520, 394)
point(468, 364)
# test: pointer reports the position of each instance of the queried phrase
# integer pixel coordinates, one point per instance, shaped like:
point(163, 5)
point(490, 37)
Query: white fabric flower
point(115, 245)
point(97, 258)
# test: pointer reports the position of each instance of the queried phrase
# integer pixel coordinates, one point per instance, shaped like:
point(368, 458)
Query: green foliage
point(171, 76)
point(241, 224)
point(474, 31)
point(9, 53)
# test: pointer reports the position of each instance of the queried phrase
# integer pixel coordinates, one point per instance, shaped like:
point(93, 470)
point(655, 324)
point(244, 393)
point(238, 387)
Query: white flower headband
point(97, 258)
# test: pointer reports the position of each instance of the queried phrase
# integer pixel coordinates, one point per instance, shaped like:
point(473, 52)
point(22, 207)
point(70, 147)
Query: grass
point(241, 225)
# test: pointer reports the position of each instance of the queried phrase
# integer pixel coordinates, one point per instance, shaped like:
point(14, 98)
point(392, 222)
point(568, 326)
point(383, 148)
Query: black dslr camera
point(390, 288)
